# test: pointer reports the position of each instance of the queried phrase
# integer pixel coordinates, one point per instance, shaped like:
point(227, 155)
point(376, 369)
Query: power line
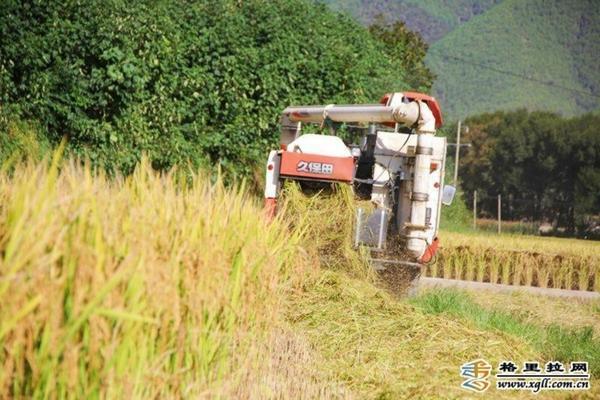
point(511, 73)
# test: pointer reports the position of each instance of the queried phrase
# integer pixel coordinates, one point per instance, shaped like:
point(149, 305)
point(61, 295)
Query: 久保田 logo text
point(314, 167)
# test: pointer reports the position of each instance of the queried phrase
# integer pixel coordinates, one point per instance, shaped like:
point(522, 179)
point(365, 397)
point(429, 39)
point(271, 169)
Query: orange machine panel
point(315, 166)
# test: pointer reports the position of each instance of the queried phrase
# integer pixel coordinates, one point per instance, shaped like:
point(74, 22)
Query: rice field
point(511, 227)
point(172, 285)
point(520, 260)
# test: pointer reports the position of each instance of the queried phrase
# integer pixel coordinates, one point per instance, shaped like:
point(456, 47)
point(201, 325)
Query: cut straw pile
point(382, 348)
point(369, 342)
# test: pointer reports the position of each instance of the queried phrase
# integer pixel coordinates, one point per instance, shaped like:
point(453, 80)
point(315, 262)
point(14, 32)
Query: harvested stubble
point(382, 348)
point(519, 260)
point(140, 287)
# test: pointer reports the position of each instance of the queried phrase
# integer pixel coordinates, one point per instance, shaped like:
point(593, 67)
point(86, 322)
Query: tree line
point(546, 167)
point(200, 82)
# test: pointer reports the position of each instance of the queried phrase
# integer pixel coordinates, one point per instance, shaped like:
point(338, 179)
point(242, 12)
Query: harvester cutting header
point(399, 166)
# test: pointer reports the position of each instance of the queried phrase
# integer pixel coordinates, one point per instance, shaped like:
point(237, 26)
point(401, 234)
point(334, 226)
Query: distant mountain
point(430, 18)
point(492, 55)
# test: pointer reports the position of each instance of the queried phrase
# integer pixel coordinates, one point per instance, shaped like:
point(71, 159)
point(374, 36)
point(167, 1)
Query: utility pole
point(499, 213)
point(475, 209)
point(457, 155)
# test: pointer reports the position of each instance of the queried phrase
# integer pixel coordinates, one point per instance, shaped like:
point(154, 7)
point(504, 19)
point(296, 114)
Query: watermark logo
point(476, 374)
point(531, 376)
point(535, 377)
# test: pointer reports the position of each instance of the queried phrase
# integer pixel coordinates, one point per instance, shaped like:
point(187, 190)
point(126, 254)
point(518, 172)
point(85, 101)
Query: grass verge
point(554, 342)
point(542, 310)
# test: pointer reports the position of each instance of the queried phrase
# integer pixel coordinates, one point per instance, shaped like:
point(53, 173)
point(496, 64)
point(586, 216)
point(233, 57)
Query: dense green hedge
point(180, 80)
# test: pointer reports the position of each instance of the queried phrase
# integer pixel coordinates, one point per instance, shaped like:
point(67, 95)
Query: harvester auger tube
point(403, 172)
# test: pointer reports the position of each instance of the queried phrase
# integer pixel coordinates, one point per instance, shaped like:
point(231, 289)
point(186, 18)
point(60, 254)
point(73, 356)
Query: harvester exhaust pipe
point(416, 230)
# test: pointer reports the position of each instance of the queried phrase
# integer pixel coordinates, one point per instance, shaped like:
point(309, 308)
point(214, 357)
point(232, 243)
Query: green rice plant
point(537, 262)
point(569, 269)
point(543, 273)
point(582, 276)
point(470, 267)
point(449, 268)
point(493, 269)
point(506, 270)
point(481, 268)
point(432, 269)
point(451, 264)
point(528, 274)
point(459, 268)
point(520, 273)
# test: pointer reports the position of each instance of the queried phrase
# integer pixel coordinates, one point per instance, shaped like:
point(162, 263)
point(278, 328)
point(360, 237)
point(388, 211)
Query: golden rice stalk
point(137, 287)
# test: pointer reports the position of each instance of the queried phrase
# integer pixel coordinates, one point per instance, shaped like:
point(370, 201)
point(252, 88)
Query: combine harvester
point(398, 166)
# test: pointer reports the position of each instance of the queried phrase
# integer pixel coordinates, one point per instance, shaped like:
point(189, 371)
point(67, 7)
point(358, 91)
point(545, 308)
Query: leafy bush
point(456, 216)
point(201, 81)
point(407, 49)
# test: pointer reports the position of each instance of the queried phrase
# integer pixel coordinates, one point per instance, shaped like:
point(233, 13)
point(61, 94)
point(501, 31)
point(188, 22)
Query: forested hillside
point(491, 55)
point(201, 82)
point(554, 42)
